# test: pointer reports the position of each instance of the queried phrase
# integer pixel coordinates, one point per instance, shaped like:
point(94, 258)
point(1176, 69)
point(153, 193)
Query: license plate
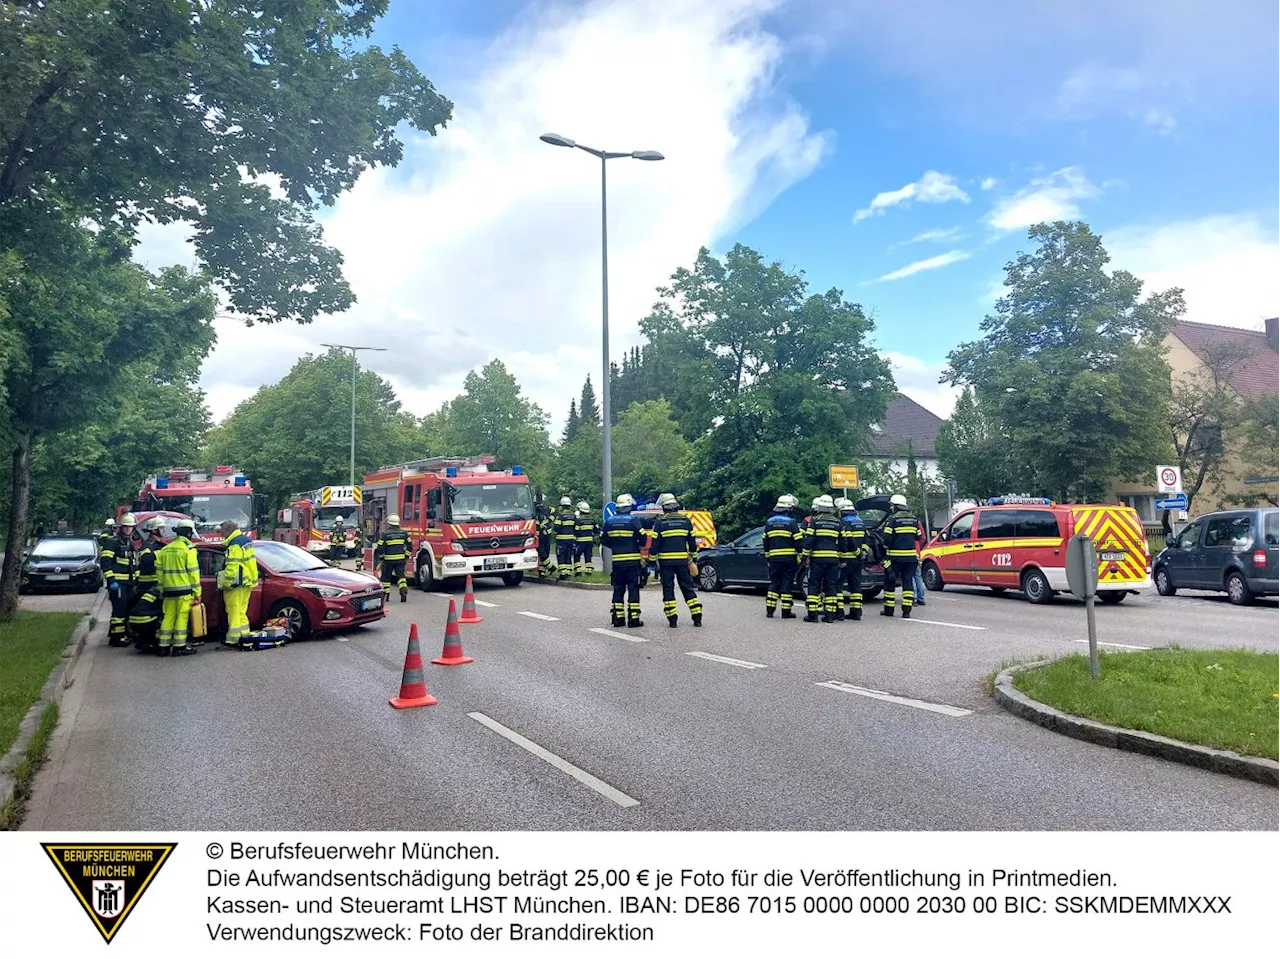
point(496, 563)
point(371, 603)
point(1113, 556)
point(58, 577)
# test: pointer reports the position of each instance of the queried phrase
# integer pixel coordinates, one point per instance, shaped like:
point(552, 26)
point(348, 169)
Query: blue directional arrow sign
point(609, 510)
point(1177, 501)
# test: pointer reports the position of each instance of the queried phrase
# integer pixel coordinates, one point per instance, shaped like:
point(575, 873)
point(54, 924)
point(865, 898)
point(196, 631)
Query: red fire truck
point(462, 518)
point(308, 520)
point(208, 498)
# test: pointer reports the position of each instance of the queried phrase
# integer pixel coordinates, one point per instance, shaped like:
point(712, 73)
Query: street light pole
point(354, 350)
point(606, 427)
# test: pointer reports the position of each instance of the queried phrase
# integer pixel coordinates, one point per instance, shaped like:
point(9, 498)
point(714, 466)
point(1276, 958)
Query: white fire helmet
point(393, 519)
point(128, 520)
point(566, 501)
point(625, 501)
point(153, 525)
point(784, 503)
point(110, 523)
point(584, 506)
point(898, 501)
point(823, 504)
point(844, 504)
point(668, 501)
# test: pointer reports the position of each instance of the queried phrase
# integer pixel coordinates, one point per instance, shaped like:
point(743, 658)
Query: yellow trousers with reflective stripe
point(236, 602)
point(177, 617)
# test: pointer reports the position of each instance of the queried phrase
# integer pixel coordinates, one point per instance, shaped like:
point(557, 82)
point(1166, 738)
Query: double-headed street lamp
point(606, 434)
point(354, 350)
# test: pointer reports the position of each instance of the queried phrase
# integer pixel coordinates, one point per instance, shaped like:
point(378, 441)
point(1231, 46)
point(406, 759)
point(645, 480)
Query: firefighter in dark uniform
point(584, 533)
point(338, 539)
point(675, 545)
point(853, 536)
point(145, 609)
point(566, 537)
point(392, 552)
point(782, 541)
point(104, 538)
point(822, 549)
point(546, 535)
point(623, 536)
point(900, 531)
point(119, 563)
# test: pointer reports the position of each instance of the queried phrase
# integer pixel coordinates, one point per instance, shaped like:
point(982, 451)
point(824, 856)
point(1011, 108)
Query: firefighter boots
point(697, 619)
point(810, 617)
point(855, 614)
point(788, 614)
point(404, 594)
point(769, 612)
point(671, 621)
point(887, 611)
point(906, 612)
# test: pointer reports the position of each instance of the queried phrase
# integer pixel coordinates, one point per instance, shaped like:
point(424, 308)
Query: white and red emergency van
point(208, 498)
point(308, 521)
point(1020, 542)
point(461, 518)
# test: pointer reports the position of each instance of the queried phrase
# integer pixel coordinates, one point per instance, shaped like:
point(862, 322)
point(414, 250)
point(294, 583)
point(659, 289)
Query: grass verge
point(989, 680)
point(1221, 698)
point(30, 646)
point(12, 810)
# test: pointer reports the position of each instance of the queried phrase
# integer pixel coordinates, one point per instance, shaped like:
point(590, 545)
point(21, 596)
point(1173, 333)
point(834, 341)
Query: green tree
point(1071, 366)
point(81, 315)
point(772, 383)
point(1206, 417)
point(492, 416)
point(572, 423)
point(588, 410)
point(975, 452)
point(650, 455)
point(294, 435)
point(172, 111)
point(577, 468)
point(1259, 432)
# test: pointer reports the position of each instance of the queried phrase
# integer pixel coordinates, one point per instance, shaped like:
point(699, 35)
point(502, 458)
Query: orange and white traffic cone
point(453, 654)
point(413, 686)
point(469, 606)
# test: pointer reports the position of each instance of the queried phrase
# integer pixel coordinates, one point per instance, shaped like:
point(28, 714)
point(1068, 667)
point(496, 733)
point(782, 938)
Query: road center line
point(935, 622)
point(732, 662)
point(900, 700)
point(608, 632)
point(481, 602)
point(584, 777)
point(549, 619)
point(1116, 645)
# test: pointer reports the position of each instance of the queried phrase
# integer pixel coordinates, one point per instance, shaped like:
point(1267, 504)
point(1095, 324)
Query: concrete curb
point(54, 689)
point(1254, 768)
point(568, 583)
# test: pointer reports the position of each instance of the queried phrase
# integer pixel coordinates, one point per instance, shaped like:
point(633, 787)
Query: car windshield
point(64, 549)
point(490, 501)
point(285, 557)
point(326, 516)
point(210, 511)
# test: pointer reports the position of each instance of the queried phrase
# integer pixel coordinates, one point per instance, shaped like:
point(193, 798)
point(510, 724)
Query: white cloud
point(1228, 265)
point(933, 263)
point(1045, 199)
point(918, 379)
point(1163, 121)
point(932, 236)
point(485, 242)
point(933, 187)
point(989, 183)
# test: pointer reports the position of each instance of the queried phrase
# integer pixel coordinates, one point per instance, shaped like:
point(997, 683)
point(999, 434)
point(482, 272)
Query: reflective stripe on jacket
point(242, 564)
point(178, 569)
point(782, 537)
point(674, 541)
point(822, 538)
point(853, 535)
point(566, 525)
point(584, 528)
point(623, 536)
point(900, 532)
point(118, 561)
point(394, 546)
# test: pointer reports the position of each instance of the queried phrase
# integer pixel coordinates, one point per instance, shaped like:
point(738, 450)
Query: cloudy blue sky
point(897, 151)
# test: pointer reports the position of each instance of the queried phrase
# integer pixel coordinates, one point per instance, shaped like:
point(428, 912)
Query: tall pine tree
point(588, 411)
point(571, 425)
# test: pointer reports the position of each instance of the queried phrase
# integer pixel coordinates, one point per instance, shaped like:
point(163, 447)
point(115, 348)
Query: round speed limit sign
point(1169, 476)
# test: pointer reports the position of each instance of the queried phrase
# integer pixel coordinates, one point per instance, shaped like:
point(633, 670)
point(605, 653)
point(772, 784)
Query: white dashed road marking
point(481, 602)
point(549, 619)
point(584, 777)
point(935, 622)
point(608, 632)
point(1116, 645)
point(900, 700)
point(732, 662)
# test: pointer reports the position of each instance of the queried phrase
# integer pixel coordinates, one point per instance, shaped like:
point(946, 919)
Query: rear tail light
point(1259, 557)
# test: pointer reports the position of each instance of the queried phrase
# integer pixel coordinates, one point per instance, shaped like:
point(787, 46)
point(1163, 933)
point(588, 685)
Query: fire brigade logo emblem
point(108, 878)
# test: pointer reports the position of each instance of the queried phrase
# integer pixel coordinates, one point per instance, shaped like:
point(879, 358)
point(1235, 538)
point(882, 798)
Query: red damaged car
point(312, 595)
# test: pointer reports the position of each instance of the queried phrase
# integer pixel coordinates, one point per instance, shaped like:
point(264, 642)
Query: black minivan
point(1234, 551)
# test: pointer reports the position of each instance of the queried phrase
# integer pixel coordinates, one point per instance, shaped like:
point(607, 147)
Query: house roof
point(1257, 375)
point(905, 420)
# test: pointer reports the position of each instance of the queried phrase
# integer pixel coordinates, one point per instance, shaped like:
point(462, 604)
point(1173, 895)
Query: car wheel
point(422, 574)
point(1238, 590)
point(709, 578)
point(1035, 586)
point(513, 579)
point(1112, 597)
point(299, 622)
point(1164, 585)
point(932, 577)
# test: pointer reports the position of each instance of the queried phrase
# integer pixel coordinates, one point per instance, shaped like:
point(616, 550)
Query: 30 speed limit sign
point(1168, 479)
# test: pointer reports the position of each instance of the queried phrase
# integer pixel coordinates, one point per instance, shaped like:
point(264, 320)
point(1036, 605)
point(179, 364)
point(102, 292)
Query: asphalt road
point(657, 732)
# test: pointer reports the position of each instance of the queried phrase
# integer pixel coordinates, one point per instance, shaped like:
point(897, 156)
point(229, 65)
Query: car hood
point(68, 564)
point(332, 576)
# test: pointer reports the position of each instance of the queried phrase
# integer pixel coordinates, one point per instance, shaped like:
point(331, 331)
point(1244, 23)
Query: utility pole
point(354, 350)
